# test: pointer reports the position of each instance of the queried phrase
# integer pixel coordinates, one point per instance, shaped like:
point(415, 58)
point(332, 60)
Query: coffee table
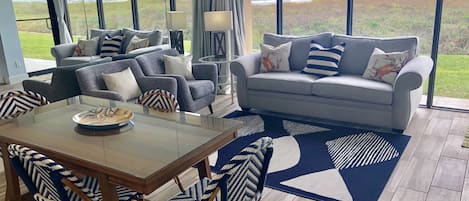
point(142, 157)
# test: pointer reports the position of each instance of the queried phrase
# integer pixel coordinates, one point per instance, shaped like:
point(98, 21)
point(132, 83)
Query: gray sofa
point(347, 97)
point(91, 81)
point(64, 53)
point(193, 95)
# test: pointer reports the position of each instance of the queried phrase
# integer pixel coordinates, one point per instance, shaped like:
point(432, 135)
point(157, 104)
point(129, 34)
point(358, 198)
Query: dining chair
point(242, 178)
point(51, 181)
point(16, 103)
point(159, 100)
point(39, 197)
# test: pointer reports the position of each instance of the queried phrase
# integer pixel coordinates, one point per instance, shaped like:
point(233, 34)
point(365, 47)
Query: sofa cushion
point(284, 82)
point(200, 88)
point(351, 87)
point(300, 46)
point(69, 61)
point(358, 50)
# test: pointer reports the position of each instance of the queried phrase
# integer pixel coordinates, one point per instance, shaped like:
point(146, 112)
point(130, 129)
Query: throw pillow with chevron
point(159, 100)
point(16, 103)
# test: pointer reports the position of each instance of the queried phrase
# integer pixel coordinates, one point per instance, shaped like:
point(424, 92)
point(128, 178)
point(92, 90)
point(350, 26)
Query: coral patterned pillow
point(384, 67)
point(275, 59)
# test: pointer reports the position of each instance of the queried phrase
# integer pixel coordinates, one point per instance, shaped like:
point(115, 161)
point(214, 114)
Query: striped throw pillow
point(111, 45)
point(324, 61)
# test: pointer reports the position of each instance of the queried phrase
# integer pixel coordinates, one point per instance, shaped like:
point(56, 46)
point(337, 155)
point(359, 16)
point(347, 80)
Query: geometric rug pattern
point(320, 161)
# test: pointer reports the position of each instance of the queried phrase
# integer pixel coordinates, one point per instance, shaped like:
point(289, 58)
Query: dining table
point(143, 154)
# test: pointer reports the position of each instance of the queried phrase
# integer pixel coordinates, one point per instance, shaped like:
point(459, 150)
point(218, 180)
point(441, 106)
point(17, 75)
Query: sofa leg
point(210, 108)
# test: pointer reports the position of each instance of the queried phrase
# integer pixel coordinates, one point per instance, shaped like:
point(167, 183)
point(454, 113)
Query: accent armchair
point(91, 81)
point(192, 95)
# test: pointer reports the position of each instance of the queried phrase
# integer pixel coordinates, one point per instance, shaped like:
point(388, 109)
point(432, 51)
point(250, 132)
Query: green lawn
point(36, 45)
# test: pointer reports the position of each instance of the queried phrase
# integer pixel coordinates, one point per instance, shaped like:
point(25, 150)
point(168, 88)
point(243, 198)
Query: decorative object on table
point(159, 100)
point(123, 82)
point(275, 59)
point(176, 22)
point(179, 65)
point(384, 66)
point(220, 23)
point(51, 181)
point(241, 178)
point(111, 45)
point(137, 43)
point(16, 103)
point(102, 118)
point(347, 164)
point(324, 61)
point(465, 144)
point(86, 47)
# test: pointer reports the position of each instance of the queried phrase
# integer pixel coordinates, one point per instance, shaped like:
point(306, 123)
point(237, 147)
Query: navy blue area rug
point(318, 161)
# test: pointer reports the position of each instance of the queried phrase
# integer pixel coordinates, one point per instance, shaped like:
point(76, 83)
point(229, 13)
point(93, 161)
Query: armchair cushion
point(200, 88)
point(351, 87)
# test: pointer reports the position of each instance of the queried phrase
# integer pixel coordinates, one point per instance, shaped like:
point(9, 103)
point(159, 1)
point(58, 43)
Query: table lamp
point(220, 23)
point(176, 22)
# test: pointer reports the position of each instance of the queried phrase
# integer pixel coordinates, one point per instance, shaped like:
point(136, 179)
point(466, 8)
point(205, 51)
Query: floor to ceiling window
point(260, 19)
point(452, 74)
point(117, 14)
point(35, 33)
point(152, 14)
point(83, 17)
point(186, 6)
point(302, 17)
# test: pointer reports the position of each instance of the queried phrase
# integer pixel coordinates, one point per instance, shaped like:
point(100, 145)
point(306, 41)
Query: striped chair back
point(16, 103)
point(243, 177)
point(159, 100)
point(39, 197)
point(44, 176)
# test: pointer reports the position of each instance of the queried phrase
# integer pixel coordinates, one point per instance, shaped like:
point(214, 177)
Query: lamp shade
point(176, 20)
point(218, 21)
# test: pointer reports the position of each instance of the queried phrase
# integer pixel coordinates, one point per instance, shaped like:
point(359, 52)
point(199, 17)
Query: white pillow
point(123, 83)
point(384, 66)
point(179, 65)
point(275, 59)
point(137, 43)
point(86, 47)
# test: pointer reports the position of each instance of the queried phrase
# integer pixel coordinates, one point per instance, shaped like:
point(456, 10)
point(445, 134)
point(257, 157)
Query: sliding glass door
point(452, 74)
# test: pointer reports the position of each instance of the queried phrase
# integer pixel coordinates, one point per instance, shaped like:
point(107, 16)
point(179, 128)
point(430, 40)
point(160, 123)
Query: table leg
point(204, 169)
point(108, 189)
point(13, 186)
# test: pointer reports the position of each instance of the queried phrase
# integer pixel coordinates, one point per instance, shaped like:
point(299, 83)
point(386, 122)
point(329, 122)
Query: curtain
point(64, 33)
point(202, 41)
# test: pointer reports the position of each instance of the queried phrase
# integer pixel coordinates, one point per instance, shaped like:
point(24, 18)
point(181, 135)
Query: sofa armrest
point(112, 95)
point(242, 68)
point(408, 90)
point(164, 83)
point(205, 71)
point(40, 87)
point(414, 73)
point(63, 51)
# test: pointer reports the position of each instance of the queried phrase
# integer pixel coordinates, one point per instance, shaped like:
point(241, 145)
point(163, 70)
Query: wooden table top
point(158, 142)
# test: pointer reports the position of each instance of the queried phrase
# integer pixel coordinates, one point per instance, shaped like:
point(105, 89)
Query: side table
point(219, 61)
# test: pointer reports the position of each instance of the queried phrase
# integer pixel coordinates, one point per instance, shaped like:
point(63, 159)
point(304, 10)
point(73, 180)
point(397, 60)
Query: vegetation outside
point(386, 18)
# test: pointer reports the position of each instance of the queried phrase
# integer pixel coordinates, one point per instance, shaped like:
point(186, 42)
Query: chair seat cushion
point(356, 88)
point(78, 60)
point(195, 191)
point(284, 82)
point(200, 88)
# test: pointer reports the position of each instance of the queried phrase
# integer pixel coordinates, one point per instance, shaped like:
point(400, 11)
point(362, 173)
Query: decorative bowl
point(103, 118)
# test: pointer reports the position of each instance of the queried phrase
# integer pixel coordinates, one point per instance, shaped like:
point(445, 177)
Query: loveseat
point(347, 97)
point(64, 53)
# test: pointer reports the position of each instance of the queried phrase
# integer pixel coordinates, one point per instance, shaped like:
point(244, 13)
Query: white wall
point(12, 68)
